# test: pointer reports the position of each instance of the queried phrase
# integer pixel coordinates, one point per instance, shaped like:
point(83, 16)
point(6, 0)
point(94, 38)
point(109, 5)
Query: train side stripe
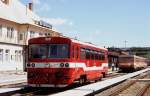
point(71, 65)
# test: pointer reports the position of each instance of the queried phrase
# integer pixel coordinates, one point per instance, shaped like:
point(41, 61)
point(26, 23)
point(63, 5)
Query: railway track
point(29, 91)
point(138, 86)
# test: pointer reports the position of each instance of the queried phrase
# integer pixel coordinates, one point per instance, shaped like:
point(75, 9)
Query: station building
point(18, 23)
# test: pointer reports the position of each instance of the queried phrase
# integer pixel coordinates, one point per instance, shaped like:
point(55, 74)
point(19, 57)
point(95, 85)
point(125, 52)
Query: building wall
point(11, 57)
point(9, 32)
point(17, 26)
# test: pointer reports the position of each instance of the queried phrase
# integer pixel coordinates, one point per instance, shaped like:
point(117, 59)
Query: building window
point(32, 34)
point(20, 36)
point(5, 1)
point(1, 54)
point(1, 30)
point(10, 32)
point(48, 34)
point(16, 55)
point(19, 55)
point(40, 34)
point(45, 34)
point(7, 55)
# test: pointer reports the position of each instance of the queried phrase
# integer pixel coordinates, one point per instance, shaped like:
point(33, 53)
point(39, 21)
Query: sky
point(106, 23)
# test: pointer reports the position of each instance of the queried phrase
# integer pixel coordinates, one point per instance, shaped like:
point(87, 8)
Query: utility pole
point(125, 43)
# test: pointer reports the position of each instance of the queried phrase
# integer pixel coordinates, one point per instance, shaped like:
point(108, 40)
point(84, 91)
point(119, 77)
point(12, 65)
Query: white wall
point(11, 63)
point(4, 37)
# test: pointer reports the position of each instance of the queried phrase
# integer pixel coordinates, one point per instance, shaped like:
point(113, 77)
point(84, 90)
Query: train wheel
point(96, 80)
point(82, 79)
point(104, 75)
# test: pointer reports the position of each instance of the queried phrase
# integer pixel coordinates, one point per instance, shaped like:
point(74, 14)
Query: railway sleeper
point(143, 90)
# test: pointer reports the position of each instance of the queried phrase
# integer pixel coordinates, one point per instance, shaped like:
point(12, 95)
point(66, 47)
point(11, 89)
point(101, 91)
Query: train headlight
point(67, 65)
point(61, 64)
point(33, 65)
point(28, 64)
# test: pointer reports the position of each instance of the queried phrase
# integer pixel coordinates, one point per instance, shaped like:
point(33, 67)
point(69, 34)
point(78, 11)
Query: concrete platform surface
point(4, 90)
point(12, 77)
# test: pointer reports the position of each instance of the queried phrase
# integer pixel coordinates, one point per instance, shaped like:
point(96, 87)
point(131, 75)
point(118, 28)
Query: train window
point(53, 50)
point(101, 55)
point(73, 51)
point(76, 52)
point(96, 55)
point(82, 54)
point(38, 51)
point(88, 54)
point(58, 51)
point(92, 55)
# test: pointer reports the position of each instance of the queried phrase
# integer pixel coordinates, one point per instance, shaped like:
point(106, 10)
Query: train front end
point(48, 64)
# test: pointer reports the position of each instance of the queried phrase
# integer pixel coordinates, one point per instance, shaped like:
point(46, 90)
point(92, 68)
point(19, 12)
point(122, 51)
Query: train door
point(75, 57)
point(75, 53)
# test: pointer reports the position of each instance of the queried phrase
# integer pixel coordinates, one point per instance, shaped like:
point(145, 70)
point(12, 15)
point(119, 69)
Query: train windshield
point(38, 51)
point(43, 51)
point(58, 51)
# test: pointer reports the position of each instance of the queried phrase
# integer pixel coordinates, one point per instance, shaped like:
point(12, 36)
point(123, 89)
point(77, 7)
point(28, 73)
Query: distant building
point(139, 51)
point(18, 23)
point(113, 56)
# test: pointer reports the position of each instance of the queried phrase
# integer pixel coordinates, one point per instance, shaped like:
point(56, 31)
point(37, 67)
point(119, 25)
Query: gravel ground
point(130, 91)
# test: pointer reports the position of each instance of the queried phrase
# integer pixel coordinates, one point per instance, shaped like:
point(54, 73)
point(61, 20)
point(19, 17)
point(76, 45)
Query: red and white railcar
point(131, 62)
point(60, 61)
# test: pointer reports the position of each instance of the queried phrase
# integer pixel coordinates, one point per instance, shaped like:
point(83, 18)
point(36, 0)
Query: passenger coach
point(60, 61)
point(131, 62)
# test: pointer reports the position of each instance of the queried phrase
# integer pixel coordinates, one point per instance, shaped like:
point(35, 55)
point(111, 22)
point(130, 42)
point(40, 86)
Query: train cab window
point(37, 51)
point(88, 54)
point(53, 50)
point(82, 54)
point(58, 51)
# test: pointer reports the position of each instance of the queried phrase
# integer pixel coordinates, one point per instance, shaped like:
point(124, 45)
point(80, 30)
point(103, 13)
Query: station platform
point(91, 89)
point(12, 77)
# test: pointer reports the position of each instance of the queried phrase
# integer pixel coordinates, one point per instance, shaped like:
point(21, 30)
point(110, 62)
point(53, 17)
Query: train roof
point(72, 40)
point(134, 56)
point(88, 44)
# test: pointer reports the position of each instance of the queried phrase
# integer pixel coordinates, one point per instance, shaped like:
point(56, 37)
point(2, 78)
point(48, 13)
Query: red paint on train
point(60, 61)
